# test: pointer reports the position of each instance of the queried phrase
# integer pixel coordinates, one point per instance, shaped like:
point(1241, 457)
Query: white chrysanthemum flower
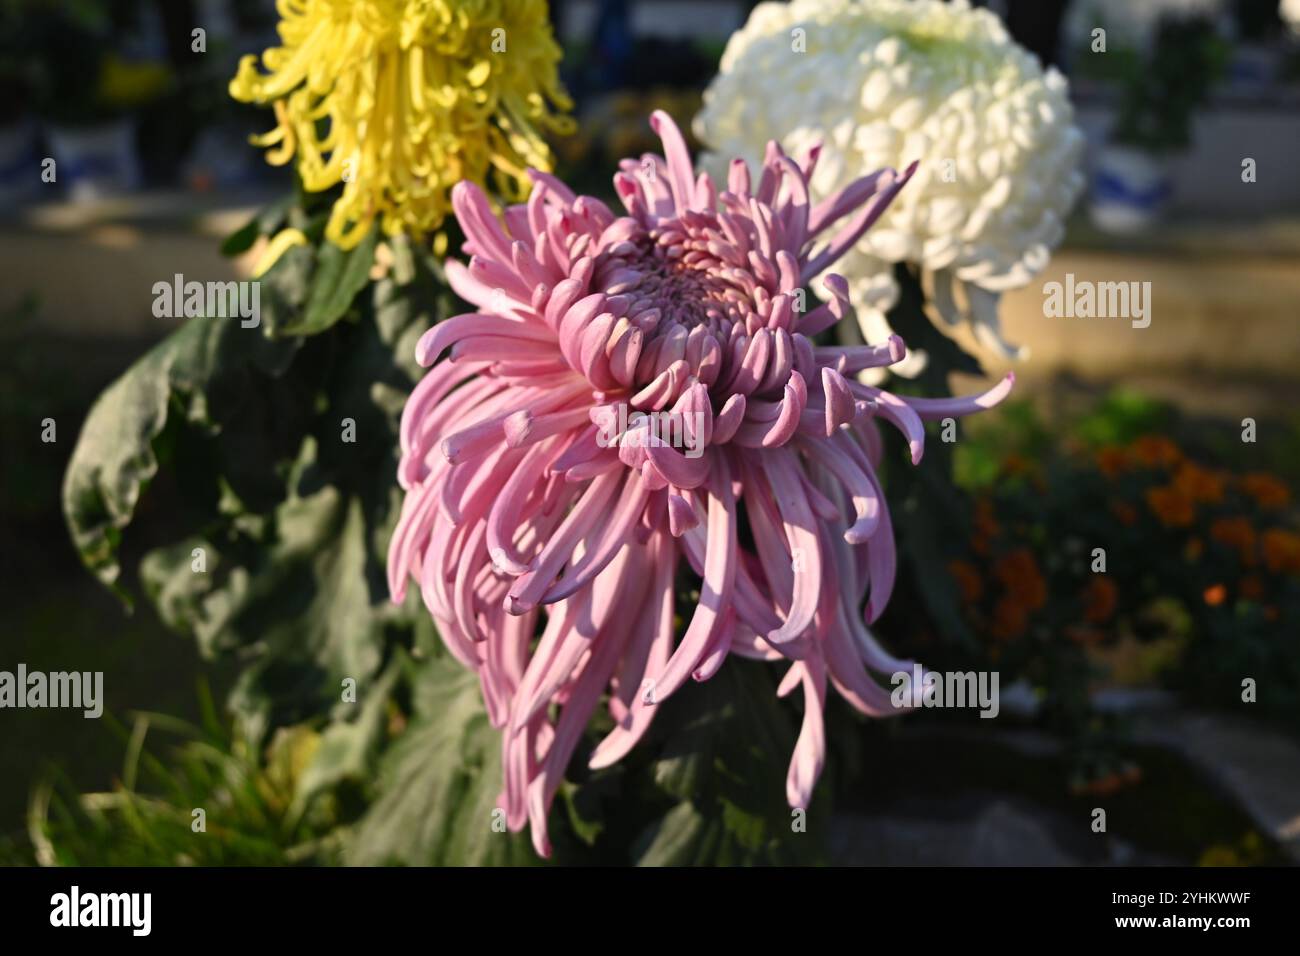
point(886, 82)
point(1289, 10)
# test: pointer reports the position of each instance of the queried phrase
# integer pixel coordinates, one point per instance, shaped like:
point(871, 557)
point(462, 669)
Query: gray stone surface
point(1257, 766)
point(1000, 833)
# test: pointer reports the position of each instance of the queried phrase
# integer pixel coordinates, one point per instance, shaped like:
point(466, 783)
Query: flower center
point(678, 268)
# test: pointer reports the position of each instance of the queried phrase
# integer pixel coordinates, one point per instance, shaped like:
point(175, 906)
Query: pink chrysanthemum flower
point(636, 393)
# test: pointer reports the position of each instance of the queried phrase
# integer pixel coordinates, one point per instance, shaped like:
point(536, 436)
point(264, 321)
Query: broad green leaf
point(725, 752)
point(292, 506)
point(590, 805)
point(339, 276)
point(689, 835)
point(305, 605)
point(677, 839)
point(115, 457)
point(438, 783)
point(264, 223)
point(309, 610)
point(348, 748)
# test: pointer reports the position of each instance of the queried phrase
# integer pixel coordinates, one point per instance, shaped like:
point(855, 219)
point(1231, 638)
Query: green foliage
point(1202, 563)
point(1121, 417)
point(116, 456)
point(437, 785)
point(724, 757)
point(149, 817)
point(1162, 88)
point(338, 278)
point(1020, 428)
point(273, 450)
point(706, 787)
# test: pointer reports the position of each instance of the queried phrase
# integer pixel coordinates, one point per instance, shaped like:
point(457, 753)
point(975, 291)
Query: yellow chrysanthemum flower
point(401, 99)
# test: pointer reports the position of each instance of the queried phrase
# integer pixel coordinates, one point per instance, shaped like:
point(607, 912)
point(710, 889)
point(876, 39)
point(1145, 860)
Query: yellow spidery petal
point(399, 100)
point(282, 134)
point(283, 241)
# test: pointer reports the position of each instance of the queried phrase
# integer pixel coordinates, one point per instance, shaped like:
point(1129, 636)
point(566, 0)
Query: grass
point(211, 800)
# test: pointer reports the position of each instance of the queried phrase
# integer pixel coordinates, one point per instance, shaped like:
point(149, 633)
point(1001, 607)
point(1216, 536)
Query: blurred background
point(1112, 686)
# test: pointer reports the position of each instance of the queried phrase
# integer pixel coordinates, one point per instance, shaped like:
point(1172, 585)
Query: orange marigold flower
point(1100, 599)
point(1155, 451)
point(1268, 491)
point(1215, 595)
point(1199, 484)
point(1103, 786)
point(1281, 550)
point(986, 526)
point(1124, 512)
point(985, 521)
point(968, 580)
point(1237, 533)
point(1084, 636)
point(1112, 460)
point(1016, 464)
point(1250, 587)
point(1018, 573)
point(1010, 619)
point(1171, 505)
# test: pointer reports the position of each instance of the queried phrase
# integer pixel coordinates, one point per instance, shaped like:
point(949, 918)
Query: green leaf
point(339, 276)
point(689, 836)
point(348, 749)
point(586, 804)
point(285, 288)
point(115, 457)
point(309, 609)
point(292, 507)
point(438, 784)
point(174, 589)
point(725, 756)
point(305, 604)
point(265, 223)
point(242, 239)
point(678, 838)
